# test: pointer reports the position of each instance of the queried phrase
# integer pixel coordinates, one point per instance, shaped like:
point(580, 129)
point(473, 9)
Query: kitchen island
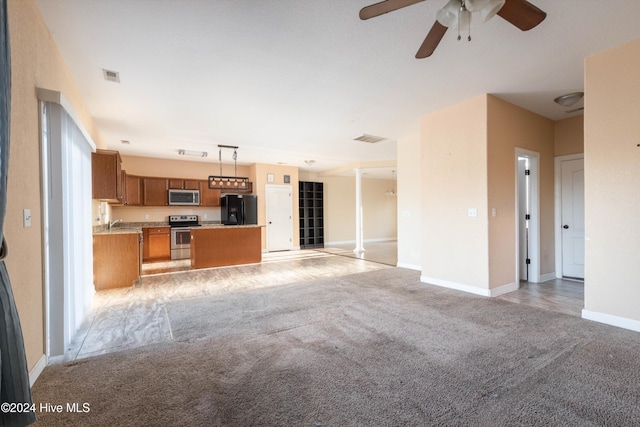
point(218, 246)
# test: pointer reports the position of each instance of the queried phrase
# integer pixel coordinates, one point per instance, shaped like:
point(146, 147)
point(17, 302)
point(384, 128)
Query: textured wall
point(612, 182)
point(36, 62)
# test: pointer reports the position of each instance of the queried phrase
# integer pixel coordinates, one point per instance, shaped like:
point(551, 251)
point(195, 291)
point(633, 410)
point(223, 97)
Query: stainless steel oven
point(181, 235)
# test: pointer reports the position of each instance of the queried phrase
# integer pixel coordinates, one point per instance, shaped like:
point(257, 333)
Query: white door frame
point(534, 222)
point(266, 204)
point(558, 207)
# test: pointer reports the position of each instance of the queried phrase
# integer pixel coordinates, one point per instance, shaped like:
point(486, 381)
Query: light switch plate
point(473, 212)
point(26, 217)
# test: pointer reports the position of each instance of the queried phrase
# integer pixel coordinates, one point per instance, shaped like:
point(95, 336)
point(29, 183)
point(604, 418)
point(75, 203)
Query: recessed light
point(310, 162)
point(125, 141)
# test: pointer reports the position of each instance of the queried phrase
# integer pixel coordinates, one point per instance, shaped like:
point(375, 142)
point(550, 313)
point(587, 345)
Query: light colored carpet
point(369, 349)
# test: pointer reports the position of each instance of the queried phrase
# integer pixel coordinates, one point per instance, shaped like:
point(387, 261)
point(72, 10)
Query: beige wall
point(379, 217)
point(569, 136)
point(612, 182)
point(409, 205)
point(258, 173)
point(473, 166)
point(454, 179)
point(35, 62)
point(509, 127)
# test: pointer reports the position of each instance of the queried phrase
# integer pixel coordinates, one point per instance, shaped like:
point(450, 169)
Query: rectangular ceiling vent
point(111, 76)
point(371, 139)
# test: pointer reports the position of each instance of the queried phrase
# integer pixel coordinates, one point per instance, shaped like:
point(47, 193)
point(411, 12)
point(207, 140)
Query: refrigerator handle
point(243, 212)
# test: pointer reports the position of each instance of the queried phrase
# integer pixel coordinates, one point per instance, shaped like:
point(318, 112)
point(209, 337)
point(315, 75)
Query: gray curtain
point(14, 376)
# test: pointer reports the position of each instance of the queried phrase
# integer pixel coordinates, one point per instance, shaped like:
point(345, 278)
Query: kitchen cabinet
point(117, 260)
point(157, 243)
point(154, 191)
point(311, 207)
point(106, 176)
point(208, 197)
point(132, 190)
point(183, 184)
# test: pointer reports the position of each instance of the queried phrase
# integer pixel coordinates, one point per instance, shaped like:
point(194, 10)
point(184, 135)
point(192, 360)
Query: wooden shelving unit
point(311, 199)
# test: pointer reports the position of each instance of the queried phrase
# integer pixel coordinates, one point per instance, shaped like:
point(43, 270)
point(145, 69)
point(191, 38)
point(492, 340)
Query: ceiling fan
point(520, 13)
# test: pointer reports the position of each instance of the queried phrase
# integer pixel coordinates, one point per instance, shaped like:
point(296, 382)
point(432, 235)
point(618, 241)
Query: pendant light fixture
point(229, 183)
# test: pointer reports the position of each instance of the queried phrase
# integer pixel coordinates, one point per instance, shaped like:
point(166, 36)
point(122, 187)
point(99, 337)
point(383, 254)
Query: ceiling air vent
point(371, 139)
point(111, 76)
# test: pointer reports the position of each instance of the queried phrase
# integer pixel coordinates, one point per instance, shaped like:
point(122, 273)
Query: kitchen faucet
point(114, 222)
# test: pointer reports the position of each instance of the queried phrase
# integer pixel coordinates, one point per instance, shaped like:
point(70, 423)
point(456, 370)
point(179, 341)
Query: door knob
point(565, 226)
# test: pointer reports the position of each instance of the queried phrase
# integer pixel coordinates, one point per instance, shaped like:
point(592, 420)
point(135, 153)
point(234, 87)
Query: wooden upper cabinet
point(154, 191)
point(106, 176)
point(183, 184)
point(132, 190)
point(208, 197)
point(176, 183)
point(191, 184)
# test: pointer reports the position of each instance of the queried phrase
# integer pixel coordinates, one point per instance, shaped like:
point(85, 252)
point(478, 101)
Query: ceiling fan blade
point(432, 40)
point(385, 7)
point(522, 14)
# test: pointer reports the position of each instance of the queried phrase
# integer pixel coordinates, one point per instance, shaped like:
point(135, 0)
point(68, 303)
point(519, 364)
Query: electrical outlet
point(473, 212)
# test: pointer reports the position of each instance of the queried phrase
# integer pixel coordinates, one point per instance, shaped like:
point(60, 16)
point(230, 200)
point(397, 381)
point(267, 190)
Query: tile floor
point(383, 252)
point(134, 317)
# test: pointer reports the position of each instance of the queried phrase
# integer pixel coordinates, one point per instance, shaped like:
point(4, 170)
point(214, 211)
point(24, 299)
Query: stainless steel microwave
point(184, 197)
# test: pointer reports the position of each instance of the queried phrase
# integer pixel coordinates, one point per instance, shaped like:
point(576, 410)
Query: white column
point(359, 235)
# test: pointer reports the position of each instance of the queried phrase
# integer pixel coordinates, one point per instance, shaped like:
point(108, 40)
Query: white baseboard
point(457, 286)
point(609, 319)
point(409, 266)
point(37, 370)
point(548, 276)
point(353, 242)
point(504, 289)
point(493, 292)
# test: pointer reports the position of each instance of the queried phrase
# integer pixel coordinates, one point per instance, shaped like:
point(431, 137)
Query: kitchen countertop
point(136, 227)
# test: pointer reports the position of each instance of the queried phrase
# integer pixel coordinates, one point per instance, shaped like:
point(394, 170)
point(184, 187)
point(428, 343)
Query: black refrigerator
point(239, 209)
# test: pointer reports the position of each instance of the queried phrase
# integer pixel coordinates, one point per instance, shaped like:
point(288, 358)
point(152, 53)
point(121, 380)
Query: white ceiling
point(293, 80)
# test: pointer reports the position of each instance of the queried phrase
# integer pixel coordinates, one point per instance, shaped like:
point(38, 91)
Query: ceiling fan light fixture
point(492, 8)
point(570, 99)
point(476, 5)
point(448, 15)
point(464, 18)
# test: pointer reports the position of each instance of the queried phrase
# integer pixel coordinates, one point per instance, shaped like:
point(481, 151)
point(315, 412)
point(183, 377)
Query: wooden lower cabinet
point(229, 245)
point(117, 260)
point(157, 243)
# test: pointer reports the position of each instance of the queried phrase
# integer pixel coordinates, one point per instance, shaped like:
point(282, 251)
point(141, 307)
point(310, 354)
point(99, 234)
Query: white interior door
point(523, 222)
point(279, 207)
point(572, 188)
